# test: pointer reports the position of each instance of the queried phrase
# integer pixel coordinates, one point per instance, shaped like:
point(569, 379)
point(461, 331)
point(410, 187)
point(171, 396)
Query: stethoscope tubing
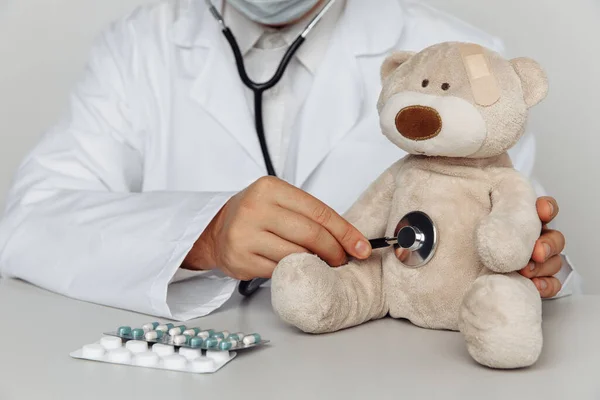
point(247, 288)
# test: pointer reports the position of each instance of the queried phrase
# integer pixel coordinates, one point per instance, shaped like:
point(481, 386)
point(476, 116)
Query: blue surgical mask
point(273, 12)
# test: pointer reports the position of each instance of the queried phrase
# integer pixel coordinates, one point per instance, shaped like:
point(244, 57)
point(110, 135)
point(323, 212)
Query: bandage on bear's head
point(484, 85)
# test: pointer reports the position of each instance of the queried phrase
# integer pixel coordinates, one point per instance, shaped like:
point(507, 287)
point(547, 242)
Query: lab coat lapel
point(218, 88)
point(336, 101)
point(331, 110)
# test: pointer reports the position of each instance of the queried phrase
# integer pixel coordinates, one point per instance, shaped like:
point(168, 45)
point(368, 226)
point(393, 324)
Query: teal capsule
point(225, 345)
point(124, 330)
point(192, 331)
point(211, 343)
point(219, 335)
point(137, 333)
point(196, 342)
point(150, 326)
point(252, 339)
point(180, 340)
point(170, 326)
point(153, 335)
point(206, 334)
point(178, 330)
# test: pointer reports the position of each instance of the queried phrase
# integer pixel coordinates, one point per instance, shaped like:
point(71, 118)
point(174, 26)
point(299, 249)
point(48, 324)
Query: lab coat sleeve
point(77, 223)
point(523, 156)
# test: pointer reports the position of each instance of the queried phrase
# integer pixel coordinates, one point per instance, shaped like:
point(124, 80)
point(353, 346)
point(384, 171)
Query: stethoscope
point(415, 236)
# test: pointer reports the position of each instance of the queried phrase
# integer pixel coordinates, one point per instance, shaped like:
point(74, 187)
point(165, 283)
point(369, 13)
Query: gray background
point(44, 44)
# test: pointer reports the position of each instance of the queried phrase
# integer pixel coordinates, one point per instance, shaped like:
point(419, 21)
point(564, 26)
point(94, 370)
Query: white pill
point(136, 346)
point(233, 342)
point(226, 334)
point(190, 354)
point(163, 349)
point(218, 356)
point(203, 365)
point(162, 328)
point(147, 359)
point(121, 355)
point(179, 340)
point(174, 361)
point(111, 342)
point(93, 351)
point(240, 335)
point(189, 332)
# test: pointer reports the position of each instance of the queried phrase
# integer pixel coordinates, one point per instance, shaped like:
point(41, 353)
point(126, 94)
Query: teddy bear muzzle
point(418, 122)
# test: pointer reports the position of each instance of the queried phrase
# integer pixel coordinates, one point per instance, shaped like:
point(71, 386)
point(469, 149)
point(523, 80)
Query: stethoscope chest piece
point(416, 239)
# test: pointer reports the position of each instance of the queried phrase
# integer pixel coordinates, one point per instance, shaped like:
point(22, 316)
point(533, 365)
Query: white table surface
point(387, 359)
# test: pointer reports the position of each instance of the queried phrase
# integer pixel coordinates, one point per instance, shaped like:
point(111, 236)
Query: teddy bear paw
point(304, 292)
point(501, 320)
point(501, 246)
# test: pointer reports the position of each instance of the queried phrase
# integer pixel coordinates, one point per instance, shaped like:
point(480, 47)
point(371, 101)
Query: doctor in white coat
point(147, 195)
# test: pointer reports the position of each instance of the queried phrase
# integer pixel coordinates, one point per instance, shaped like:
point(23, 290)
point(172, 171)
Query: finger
point(350, 238)
point(547, 209)
point(306, 233)
point(548, 245)
point(401, 254)
point(254, 267)
point(262, 267)
point(546, 269)
point(548, 287)
point(274, 248)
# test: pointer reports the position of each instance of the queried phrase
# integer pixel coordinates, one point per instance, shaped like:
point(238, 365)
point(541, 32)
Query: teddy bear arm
point(507, 236)
point(370, 213)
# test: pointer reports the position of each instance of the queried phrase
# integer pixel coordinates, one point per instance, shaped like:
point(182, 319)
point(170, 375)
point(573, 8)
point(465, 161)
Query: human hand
point(265, 223)
point(546, 260)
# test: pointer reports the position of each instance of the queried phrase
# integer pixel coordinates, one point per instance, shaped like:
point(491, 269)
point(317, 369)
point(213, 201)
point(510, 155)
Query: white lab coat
point(159, 136)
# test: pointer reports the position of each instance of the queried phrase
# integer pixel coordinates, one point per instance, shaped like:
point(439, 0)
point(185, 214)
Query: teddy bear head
point(457, 100)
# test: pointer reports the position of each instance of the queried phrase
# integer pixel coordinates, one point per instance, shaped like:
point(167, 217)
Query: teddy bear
point(456, 109)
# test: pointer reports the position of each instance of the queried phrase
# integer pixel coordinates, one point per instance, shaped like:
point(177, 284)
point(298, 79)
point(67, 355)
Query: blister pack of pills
point(169, 347)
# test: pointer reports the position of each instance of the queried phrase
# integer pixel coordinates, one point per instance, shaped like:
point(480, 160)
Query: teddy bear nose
point(418, 122)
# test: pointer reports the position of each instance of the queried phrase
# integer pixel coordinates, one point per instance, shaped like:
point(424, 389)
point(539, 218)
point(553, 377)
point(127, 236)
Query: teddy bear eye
point(445, 86)
point(425, 83)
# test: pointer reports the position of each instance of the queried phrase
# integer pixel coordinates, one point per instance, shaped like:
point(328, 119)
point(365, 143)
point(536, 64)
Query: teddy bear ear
point(393, 61)
point(533, 80)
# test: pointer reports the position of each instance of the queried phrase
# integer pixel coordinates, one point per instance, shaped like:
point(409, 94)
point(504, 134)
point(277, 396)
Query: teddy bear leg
point(309, 294)
point(501, 319)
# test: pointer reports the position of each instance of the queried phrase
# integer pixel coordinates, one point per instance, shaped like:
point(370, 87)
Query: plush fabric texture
point(463, 128)
point(501, 319)
point(464, 180)
point(442, 63)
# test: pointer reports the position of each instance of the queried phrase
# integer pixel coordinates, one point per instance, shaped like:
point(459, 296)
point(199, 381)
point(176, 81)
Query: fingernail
point(531, 266)
point(362, 248)
point(542, 285)
point(551, 206)
point(547, 250)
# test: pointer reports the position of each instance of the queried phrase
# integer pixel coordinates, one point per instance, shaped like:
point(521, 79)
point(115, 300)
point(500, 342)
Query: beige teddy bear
point(456, 108)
